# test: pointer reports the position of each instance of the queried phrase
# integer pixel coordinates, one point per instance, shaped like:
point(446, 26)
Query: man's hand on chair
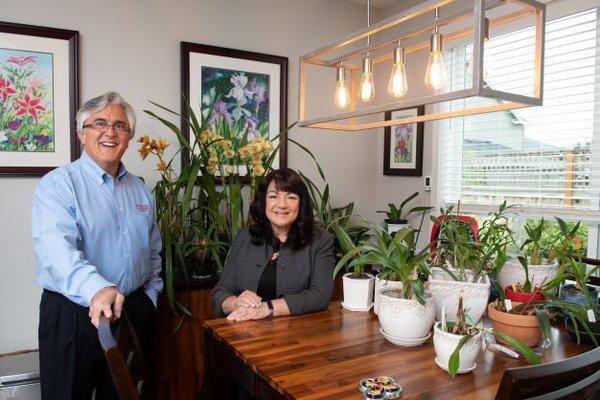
point(107, 301)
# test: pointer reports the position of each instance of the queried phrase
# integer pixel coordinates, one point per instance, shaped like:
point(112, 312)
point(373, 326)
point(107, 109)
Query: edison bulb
point(342, 95)
point(367, 89)
point(435, 76)
point(398, 86)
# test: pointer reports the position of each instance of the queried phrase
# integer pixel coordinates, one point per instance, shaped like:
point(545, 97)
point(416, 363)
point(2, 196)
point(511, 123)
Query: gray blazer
point(304, 277)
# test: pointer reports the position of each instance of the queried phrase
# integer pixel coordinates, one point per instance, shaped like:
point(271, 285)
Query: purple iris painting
point(26, 111)
point(403, 143)
point(236, 99)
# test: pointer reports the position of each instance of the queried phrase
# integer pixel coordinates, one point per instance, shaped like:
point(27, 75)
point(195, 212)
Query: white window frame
point(555, 9)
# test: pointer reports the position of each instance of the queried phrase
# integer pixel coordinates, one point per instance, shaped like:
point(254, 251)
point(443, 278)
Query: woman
point(282, 264)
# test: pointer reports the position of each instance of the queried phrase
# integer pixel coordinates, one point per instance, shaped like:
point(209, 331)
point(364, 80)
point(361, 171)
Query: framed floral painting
point(242, 90)
point(38, 98)
point(403, 144)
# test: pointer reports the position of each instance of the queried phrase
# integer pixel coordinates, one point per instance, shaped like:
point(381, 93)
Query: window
point(544, 159)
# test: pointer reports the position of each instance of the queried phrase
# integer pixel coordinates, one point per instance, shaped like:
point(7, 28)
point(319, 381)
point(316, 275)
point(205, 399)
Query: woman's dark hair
point(301, 231)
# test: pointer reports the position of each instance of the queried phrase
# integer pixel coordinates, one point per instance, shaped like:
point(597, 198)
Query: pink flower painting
point(26, 109)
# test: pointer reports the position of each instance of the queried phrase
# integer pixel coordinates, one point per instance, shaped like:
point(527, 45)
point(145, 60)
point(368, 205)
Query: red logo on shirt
point(143, 208)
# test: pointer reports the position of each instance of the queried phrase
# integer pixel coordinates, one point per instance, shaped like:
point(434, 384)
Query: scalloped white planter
point(358, 293)
point(382, 284)
point(405, 319)
point(512, 272)
point(445, 290)
point(391, 228)
point(445, 343)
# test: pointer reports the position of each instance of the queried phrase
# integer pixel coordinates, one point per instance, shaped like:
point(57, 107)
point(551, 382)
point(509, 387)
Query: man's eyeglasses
point(101, 125)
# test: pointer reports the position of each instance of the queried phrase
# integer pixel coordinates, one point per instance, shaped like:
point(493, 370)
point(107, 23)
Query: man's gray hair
point(100, 103)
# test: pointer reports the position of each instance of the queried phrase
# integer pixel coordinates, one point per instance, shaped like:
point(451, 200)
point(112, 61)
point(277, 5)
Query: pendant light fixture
point(409, 39)
point(435, 76)
point(342, 95)
point(366, 89)
point(398, 85)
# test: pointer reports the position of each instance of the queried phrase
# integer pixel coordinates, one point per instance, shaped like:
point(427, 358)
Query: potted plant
point(201, 208)
point(530, 321)
point(526, 292)
point(460, 265)
point(542, 253)
point(585, 296)
point(397, 219)
point(389, 276)
point(458, 343)
point(405, 314)
point(495, 236)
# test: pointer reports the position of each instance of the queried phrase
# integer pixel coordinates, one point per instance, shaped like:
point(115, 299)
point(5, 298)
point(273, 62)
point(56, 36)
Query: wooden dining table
point(323, 355)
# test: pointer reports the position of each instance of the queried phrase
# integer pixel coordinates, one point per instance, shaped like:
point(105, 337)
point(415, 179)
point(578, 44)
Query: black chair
point(125, 360)
point(574, 378)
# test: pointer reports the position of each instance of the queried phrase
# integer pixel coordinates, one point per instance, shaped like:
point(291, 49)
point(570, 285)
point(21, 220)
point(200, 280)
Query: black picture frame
point(391, 167)
point(64, 97)
point(233, 56)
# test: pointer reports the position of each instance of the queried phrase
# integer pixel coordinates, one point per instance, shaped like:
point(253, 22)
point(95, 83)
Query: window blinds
point(544, 159)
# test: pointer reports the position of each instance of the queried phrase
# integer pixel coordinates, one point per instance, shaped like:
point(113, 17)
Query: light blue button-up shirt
point(91, 231)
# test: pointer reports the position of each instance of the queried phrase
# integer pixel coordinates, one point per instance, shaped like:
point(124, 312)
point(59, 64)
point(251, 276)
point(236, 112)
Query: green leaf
point(321, 173)
point(454, 360)
point(523, 349)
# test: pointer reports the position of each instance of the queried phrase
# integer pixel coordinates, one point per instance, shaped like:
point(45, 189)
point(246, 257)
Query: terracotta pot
point(523, 327)
point(523, 297)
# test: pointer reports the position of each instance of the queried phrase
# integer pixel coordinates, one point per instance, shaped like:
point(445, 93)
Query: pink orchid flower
point(30, 106)
point(22, 61)
point(6, 89)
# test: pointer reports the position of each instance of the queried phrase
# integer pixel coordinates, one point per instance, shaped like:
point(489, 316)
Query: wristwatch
point(270, 306)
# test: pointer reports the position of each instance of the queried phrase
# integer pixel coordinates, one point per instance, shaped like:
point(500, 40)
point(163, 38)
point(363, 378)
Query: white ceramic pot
point(391, 228)
point(358, 293)
point(445, 343)
point(407, 320)
point(445, 290)
point(512, 272)
point(382, 284)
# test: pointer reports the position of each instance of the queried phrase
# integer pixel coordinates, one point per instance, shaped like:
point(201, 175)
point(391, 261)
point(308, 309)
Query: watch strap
point(270, 307)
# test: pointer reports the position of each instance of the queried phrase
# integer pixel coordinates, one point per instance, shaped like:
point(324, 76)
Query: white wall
point(133, 47)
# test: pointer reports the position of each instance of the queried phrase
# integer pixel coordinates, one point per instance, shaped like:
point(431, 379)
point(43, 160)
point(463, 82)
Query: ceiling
point(377, 3)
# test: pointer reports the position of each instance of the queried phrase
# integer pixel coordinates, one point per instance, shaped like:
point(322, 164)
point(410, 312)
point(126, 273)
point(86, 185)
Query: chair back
point(125, 360)
point(574, 378)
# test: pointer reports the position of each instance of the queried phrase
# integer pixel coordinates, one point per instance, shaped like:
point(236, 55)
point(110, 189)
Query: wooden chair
point(125, 360)
point(574, 378)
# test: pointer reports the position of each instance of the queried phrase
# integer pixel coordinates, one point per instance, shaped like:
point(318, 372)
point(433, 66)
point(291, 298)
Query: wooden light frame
point(509, 100)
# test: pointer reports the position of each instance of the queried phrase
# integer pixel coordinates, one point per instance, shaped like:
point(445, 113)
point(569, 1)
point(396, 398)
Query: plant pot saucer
point(460, 371)
point(404, 342)
point(362, 309)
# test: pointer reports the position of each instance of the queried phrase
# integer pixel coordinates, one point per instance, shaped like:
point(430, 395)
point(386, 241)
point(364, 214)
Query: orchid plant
point(201, 208)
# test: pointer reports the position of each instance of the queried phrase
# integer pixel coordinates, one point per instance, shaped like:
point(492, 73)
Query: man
point(97, 246)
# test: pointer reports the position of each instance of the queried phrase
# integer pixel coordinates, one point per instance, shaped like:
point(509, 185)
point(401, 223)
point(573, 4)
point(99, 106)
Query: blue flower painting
point(238, 99)
point(26, 94)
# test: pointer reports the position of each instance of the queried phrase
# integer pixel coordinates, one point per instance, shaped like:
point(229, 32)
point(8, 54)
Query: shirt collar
point(98, 174)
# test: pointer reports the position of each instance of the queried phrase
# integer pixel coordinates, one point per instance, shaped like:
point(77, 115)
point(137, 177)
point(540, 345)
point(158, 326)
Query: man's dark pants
point(72, 362)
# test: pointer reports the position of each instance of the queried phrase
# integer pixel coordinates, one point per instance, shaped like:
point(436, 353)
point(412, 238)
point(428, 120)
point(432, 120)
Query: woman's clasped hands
point(249, 306)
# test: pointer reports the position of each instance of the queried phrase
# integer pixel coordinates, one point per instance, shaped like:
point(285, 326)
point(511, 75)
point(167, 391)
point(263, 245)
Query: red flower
point(6, 89)
point(21, 61)
point(31, 106)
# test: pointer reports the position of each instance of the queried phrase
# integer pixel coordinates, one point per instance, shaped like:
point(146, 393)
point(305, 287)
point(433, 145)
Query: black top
point(267, 285)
